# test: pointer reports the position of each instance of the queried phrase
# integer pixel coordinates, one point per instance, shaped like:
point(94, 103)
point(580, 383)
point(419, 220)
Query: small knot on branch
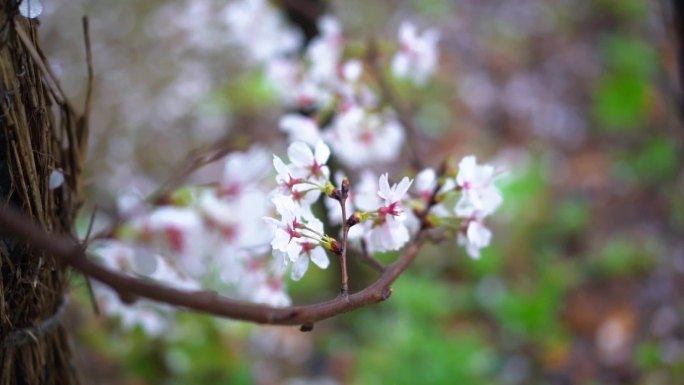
point(307, 327)
point(386, 293)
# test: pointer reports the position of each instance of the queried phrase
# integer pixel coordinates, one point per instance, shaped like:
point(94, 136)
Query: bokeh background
point(584, 281)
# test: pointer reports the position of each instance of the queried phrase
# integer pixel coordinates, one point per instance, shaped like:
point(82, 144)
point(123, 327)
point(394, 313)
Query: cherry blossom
point(476, 237)
point(312, 163)
point(417, 55)
point(480, 195)
point(262, 32)
point(386, 228)
point(300, 129)
point(324, 52)
point(244, 170)
point(298, 235)
point(360, 138)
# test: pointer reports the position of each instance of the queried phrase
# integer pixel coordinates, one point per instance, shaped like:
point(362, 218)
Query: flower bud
point(353, 219)
point(345, 188)
point(336, 247)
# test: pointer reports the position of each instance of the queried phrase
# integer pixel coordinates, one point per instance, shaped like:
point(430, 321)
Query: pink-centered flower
point(287, 228)
point(392, 196)
point(310, 163)
point(242, 171)
point(480, 196)
point(475, 237)
point(297, 236)
point(417, 55)
point(388, 231)
point(361, 138)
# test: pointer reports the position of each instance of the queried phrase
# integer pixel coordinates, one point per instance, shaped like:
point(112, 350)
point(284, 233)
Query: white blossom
point(298, 235)
point(262, 32)
point(480, 195)
point(387, 230)
point(417, 55)
point(325, 50)
point(311, 163)
point(243, 171)
point(476, 237)
point(300, 129)
point(360, 138)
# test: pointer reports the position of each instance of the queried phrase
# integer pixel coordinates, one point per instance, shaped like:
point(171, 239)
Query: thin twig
point(193, 161)
point(369, 259)
point(345, 233)
point(89, 285)
point(391, 97)
point(49, 77)
point(84, 125)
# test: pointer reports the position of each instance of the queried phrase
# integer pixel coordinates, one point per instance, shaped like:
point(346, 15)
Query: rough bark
point(38, 134)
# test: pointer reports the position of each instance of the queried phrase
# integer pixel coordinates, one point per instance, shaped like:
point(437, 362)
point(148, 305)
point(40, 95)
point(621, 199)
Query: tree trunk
point(38, 135)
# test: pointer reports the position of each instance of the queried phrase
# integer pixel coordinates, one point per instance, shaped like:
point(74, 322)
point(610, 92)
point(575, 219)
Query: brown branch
point(344, 194)
point(72, 254)
point(391, 97)
point(84, 121)
point(192, 162)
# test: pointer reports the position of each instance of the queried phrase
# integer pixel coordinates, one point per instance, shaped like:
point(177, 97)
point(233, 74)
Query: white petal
point(425, 180)
point(320, 258)
point(402, 188)
point(400, 65)
point(280, 166)
point(352, 70)
point(466, 169)
point(384, 191)
point(322, 152)
point(300, 267)
point(464, 207)
point(294, 249)
point(478, 234)
point(300, 128)
point(300, 154)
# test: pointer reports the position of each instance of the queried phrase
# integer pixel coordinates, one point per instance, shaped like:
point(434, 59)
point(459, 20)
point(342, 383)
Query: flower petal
point(322, 152)
point(320, 258)
point(300, 154)
point(299, 268)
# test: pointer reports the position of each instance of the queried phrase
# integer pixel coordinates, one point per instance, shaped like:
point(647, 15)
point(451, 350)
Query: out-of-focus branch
point(365, 256)
point(193, 161)
point(391, 97)
point(129, 287)
point(678, 20)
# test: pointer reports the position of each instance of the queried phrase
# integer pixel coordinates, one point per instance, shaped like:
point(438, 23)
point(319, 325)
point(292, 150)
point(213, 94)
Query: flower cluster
point(205, 236)
point(213, 235)
point(329, 85)
point(298, 235)
point(468, 197)
point(380, 212)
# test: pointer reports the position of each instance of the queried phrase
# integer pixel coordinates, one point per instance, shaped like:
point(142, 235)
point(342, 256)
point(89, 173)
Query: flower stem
point(343, 256)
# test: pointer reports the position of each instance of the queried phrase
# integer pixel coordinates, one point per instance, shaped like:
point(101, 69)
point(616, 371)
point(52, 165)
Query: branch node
point(307, 327)
point(126, 298)
point(386, 293)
